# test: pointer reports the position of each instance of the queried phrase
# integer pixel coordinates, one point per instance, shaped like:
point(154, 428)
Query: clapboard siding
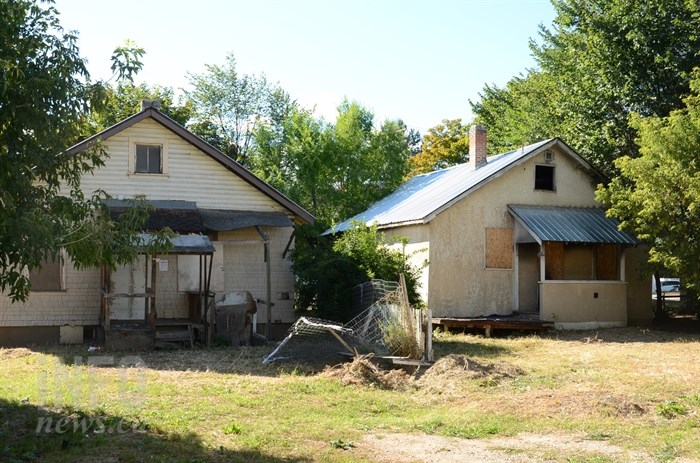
point(192, 175)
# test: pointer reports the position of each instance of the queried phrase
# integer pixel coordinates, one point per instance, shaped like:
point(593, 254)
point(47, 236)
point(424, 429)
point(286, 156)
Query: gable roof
point(205, 147)
point(421, 198)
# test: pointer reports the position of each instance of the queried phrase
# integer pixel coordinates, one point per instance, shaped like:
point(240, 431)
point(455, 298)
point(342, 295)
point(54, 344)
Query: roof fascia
point(555, 141)
point(524, 225)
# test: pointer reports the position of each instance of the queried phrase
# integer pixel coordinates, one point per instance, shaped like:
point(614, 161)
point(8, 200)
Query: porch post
point(542, 262)
point(516, 279)
point(622, 263)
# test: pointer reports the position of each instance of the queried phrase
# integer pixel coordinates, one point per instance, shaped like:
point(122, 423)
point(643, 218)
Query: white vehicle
point(668, 285)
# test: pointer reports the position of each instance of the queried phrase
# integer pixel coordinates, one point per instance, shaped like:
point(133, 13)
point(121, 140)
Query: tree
point(124, 100)
point(45, 93)
point(444, 145)
point(657, 195)
point(602, 61)
point(522, 112)
point(336, 170)
point(327, 268)
point(229, 107)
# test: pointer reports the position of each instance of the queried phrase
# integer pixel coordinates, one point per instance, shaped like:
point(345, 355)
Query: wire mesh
point(386, 327)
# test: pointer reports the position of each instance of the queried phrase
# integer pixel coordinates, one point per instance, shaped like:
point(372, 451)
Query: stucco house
point(233, 234)
point(520, 233)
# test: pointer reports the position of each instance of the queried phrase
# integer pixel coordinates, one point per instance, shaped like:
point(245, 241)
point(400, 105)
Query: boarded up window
point(554, 260)
point(49, 277)
point(499, 248)
point(607, 258)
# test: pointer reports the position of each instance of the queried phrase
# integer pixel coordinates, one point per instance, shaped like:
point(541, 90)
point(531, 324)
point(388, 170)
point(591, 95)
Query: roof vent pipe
point(477, 146)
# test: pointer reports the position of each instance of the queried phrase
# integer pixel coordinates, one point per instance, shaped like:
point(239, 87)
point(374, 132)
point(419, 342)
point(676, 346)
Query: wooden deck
point(515, 321)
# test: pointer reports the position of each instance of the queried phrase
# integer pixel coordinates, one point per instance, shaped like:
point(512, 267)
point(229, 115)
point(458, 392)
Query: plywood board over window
point(499, 248)
point(607, 258)
point(554, 260)
point(49, 277)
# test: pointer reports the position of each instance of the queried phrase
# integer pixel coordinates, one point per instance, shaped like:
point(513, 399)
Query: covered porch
point(570, 266)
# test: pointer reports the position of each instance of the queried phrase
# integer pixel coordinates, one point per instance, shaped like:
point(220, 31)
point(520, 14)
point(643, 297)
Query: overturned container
point(233, 318)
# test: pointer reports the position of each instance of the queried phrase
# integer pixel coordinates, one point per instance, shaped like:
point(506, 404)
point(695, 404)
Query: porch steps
point(169, 335)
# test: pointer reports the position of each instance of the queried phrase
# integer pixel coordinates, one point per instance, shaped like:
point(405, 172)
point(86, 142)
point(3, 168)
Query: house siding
point(245, 269)
point(79, 304)
point(191, 174)
point(460, 285)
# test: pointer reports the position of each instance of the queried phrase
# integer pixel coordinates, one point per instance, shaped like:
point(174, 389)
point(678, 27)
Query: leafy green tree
point(327, 269)
point(124, 100)
point(444, 145)
point(45, 93)
point(522, 112)
point(229, 107)
point(657, 195)
point(336, 170)
point(602, 61)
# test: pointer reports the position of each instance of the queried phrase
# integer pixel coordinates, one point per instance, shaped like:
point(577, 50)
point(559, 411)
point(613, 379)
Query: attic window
point(544, 178)
point(149, 159)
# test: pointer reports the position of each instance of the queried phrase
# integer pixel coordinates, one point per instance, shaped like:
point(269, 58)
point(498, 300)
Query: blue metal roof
point(418, 199)
point(570, 224)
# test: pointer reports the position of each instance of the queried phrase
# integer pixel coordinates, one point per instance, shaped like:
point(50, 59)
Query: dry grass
point(637, 390)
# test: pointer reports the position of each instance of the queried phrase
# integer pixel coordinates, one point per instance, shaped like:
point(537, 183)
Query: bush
point(328, 267)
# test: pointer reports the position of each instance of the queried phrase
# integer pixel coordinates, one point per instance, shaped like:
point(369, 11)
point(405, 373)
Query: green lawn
point(638, 390)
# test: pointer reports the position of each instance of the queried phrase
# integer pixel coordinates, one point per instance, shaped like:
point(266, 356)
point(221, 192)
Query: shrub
point(328, 267)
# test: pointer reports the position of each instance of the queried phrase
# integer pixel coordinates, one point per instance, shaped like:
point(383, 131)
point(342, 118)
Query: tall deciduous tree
point(444, 145)
point(336, 170)
point(229, 107)
point(45, 94)
point(124, 100)
point(600, 62)
point(657, 195)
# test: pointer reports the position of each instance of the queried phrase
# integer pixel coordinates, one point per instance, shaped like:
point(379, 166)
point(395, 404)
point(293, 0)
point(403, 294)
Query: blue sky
point(420, 61)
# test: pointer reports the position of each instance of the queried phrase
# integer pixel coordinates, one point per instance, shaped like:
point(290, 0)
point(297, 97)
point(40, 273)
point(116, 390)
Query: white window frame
point(151, 142)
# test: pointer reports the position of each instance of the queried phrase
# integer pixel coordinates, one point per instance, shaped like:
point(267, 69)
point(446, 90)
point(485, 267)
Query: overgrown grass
point(637, 390)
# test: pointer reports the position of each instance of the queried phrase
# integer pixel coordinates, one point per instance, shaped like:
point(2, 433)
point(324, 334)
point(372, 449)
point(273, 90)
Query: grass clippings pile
point(450, 371)
point(361, 371)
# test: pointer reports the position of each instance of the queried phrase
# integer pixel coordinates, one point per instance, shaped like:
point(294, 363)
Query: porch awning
point(223, 220)
point(185, 244)
point(570, 224)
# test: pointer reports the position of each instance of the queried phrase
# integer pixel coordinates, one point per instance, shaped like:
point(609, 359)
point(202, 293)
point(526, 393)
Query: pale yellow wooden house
point(228, 222)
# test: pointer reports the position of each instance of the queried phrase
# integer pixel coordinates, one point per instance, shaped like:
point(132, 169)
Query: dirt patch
point(620, 406)
point(523, 448)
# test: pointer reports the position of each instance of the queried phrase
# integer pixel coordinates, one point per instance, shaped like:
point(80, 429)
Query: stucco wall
point(418, 250)
point(460, 285)
point(584, 304)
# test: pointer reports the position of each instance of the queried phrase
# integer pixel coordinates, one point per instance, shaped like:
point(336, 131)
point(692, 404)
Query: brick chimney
point(477, 146)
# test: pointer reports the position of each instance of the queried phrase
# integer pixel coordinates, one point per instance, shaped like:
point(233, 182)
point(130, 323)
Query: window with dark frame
point(149, 159)
point(49, 277)
point(544, 178)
